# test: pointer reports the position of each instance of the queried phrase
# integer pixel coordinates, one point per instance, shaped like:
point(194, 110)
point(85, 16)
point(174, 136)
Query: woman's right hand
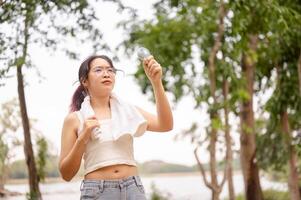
point(89, 125)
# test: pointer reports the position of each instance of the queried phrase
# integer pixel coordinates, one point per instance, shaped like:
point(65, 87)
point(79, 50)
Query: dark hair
point(80, 92)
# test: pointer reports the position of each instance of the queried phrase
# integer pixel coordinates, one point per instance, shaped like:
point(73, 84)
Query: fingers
point(152, 68)
point(147, 62)
point(150, 63)
point(92, 118)
point(91, 123)
point(155, 70)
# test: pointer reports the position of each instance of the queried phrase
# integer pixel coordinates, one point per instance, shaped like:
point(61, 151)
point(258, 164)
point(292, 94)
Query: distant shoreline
point(79, 178)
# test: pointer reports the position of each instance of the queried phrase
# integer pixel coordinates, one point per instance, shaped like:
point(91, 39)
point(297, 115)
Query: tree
point(246, 59)
point(22, 25)
point(180, 25)
point(253, 35)
point(214, 116)
point(282, 50)
point(284, 118)
point(42, 156)
point(229, 153)
point(9, 123)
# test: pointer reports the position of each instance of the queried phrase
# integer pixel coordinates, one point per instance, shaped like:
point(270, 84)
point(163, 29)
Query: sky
point(48, 99)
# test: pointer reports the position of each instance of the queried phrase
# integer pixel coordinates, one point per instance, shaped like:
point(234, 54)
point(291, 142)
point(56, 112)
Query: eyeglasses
point(101, 70)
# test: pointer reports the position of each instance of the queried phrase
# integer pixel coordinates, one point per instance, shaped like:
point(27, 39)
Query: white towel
point(125, 118)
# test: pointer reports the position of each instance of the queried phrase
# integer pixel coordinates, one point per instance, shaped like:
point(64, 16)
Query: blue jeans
point(130, 188)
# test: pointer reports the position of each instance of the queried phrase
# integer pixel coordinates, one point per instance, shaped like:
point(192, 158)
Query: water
point(188, 187)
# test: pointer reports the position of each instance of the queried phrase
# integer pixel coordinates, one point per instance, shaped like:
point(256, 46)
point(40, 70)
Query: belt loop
point(137, 180)
point(120, 183)
point(81, 185)
point(101, 186)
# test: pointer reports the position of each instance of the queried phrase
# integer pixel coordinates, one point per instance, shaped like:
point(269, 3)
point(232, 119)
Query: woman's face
point(101, 78)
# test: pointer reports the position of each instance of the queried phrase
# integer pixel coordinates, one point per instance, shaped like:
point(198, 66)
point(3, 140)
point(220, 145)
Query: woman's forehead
point(99, 62)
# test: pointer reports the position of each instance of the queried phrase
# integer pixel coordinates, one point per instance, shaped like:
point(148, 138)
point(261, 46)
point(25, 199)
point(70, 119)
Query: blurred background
point(231, 70)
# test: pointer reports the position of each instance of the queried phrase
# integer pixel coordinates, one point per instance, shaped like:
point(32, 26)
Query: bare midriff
point(113, 172)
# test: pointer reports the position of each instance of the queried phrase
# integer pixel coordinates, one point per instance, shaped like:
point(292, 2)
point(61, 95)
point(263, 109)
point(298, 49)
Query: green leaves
point(169, 46)
point(182, 34)
point(45, 23)
point(42, 154)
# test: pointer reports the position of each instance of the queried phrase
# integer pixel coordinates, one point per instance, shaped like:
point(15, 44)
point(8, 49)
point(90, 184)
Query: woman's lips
point(106, 82)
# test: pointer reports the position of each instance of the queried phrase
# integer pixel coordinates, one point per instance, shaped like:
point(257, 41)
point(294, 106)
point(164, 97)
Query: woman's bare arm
point(71, 148)
point(163, 121)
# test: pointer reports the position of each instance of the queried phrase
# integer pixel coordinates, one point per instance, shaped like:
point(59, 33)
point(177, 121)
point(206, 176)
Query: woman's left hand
point(153, 69)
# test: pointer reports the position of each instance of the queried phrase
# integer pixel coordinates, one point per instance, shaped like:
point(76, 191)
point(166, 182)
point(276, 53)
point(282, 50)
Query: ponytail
point(77, 98)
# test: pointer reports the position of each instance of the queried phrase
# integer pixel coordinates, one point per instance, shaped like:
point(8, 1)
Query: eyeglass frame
point(116, 70)
point(104, 69)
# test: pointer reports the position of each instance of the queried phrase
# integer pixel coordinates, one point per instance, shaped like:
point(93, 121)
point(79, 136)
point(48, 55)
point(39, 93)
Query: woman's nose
point(105, 74)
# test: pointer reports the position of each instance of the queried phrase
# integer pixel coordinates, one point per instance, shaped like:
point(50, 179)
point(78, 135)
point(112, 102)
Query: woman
point(104, 136)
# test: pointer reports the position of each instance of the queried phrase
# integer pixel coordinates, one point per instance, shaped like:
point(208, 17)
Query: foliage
point(154, 166)
point(181, 36)
point(3, 160)
point(284, 51)
point(48, 24)
point(42, 157)
point(31, 196)
point(50, 169)
point(9, 123)
point(156, 194)
point(269, 195)
point(275, 195)
point(17, 170)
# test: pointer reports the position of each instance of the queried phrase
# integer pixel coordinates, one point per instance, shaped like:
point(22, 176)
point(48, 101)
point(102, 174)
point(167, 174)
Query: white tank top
point(115, 143)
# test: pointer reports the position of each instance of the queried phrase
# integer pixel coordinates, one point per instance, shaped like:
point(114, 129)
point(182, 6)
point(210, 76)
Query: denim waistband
point(115, 183)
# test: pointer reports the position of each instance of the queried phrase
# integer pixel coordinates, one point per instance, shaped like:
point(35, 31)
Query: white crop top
point(115, 143)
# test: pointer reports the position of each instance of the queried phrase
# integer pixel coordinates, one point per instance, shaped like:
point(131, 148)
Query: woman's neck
point(100, 102)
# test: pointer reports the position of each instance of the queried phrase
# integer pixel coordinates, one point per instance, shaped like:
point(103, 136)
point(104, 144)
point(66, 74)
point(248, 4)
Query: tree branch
point(221, 185)
point(214, 115)
point(209, 185)
point(215, 48)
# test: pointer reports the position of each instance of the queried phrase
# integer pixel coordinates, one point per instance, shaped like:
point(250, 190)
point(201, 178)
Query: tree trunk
point(3, 175)
point(247, 137)
point(229, 153)
point(215, 195)
point(216, 188)
point(299, 71)
point(28, 151)
point(212, 149)
point(292, 162)
point(29, 155)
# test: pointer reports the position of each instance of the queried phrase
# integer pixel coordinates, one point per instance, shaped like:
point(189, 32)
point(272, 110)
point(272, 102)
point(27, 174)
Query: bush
point(275, 195)
point(156, 194)
point(269, 195)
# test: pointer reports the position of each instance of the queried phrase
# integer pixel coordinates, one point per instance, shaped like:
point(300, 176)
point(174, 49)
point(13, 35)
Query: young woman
point(104, 136)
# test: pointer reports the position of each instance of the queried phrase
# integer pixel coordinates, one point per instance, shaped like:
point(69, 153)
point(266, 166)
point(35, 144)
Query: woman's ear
point(85, 83)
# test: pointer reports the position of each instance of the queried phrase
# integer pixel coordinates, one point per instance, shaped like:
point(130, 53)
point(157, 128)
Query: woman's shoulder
point(71, 119)
point(70, 125)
